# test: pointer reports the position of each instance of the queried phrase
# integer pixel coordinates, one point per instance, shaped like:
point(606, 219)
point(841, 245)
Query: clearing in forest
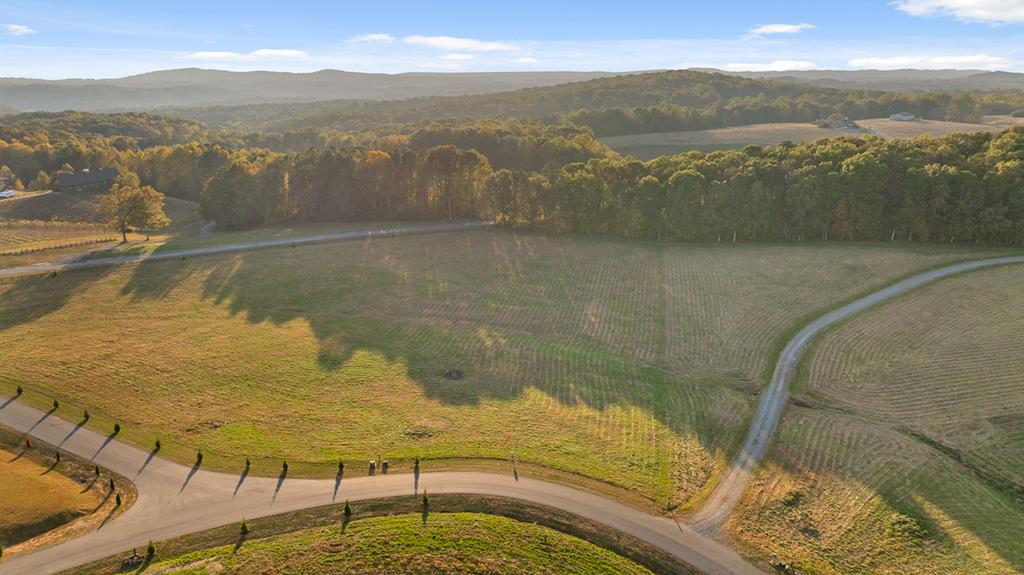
point(649, 146)
point(905, 450)
point(633, 363)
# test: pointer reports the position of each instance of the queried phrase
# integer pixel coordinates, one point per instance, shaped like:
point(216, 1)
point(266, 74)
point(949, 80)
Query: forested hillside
point(635, 103)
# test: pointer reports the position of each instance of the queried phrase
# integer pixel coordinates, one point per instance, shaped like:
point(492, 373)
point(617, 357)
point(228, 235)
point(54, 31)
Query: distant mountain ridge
point(201, 87)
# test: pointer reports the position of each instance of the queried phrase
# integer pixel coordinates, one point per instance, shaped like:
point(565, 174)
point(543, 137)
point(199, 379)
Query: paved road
point(175, 500)
point(40, 269)
point(729, 491)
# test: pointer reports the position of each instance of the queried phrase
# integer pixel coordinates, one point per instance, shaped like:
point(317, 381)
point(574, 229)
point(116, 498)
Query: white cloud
point(18, 29)
point(458, 57)
point(526, 60)
point(372, 39)
point(780, 29)
point(775, 66)
point(261, 54)
point(975, 61)
point(460, 44)
point(991, 11)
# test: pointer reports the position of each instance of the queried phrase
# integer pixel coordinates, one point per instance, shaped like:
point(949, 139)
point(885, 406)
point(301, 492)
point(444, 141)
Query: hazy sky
point(104, 38)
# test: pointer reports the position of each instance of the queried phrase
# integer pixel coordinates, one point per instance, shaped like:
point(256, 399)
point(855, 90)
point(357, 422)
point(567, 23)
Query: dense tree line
point(959, 188)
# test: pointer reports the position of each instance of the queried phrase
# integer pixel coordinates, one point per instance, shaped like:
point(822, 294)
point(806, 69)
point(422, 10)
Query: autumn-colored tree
point(131, 205)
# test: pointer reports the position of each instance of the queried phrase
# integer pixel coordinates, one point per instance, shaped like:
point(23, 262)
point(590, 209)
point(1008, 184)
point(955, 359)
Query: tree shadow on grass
point(27, 299)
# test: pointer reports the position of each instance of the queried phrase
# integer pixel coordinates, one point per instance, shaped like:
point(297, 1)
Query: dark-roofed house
point(85, 181)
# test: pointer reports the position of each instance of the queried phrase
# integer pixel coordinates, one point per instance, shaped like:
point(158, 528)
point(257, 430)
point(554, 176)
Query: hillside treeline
point(961, 188)
point(182, 170)
point(638, 103)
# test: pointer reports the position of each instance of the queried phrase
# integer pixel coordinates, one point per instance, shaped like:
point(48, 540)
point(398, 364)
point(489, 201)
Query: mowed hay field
point(908, 453)
point(649, 146)
point(33, 501)
point(469, 543)
point(636, 364)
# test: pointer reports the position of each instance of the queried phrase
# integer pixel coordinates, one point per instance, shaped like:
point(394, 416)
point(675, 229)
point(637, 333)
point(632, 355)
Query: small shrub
point(284, 468)
point(199, 458)
point(243, 528)
point(248, 464)
point(96, 470)
point(426, 501)
point(156, 446)
point(341, 467)
point(111, 484)
point(56, 405)
point(85, 415)
point(348, 509)
point(18, 391)
point(117, 428)
point(56, 457)
point(117, 500)
point(150, 550)
point(28, 443)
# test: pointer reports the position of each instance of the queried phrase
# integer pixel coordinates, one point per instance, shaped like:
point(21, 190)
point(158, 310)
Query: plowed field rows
point(635, 364)
point(915, 461)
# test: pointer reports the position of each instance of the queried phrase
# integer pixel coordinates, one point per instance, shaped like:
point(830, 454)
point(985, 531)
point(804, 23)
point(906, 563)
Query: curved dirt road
point(40, 269)
point(727, 494)
point(175, 500)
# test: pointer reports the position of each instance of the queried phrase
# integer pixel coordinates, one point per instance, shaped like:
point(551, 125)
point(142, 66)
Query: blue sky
point(104, 38)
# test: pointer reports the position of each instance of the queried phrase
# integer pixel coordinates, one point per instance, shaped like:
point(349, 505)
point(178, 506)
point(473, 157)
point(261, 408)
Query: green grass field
point(905, 451)
point(470, 543)
point(632, 363)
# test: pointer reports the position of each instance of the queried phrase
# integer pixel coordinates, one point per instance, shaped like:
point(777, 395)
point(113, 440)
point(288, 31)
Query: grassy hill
point(33, 502)
point(43, 502)
point(469, 543)
point(633, 364)
point(905, 449)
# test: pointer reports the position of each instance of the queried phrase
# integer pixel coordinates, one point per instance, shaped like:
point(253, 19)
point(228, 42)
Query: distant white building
point(903, 117)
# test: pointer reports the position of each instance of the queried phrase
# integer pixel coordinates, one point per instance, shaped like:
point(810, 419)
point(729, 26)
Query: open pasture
point(632, 363)
point(649, 146)
point(34, 499)
point(905, 451)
